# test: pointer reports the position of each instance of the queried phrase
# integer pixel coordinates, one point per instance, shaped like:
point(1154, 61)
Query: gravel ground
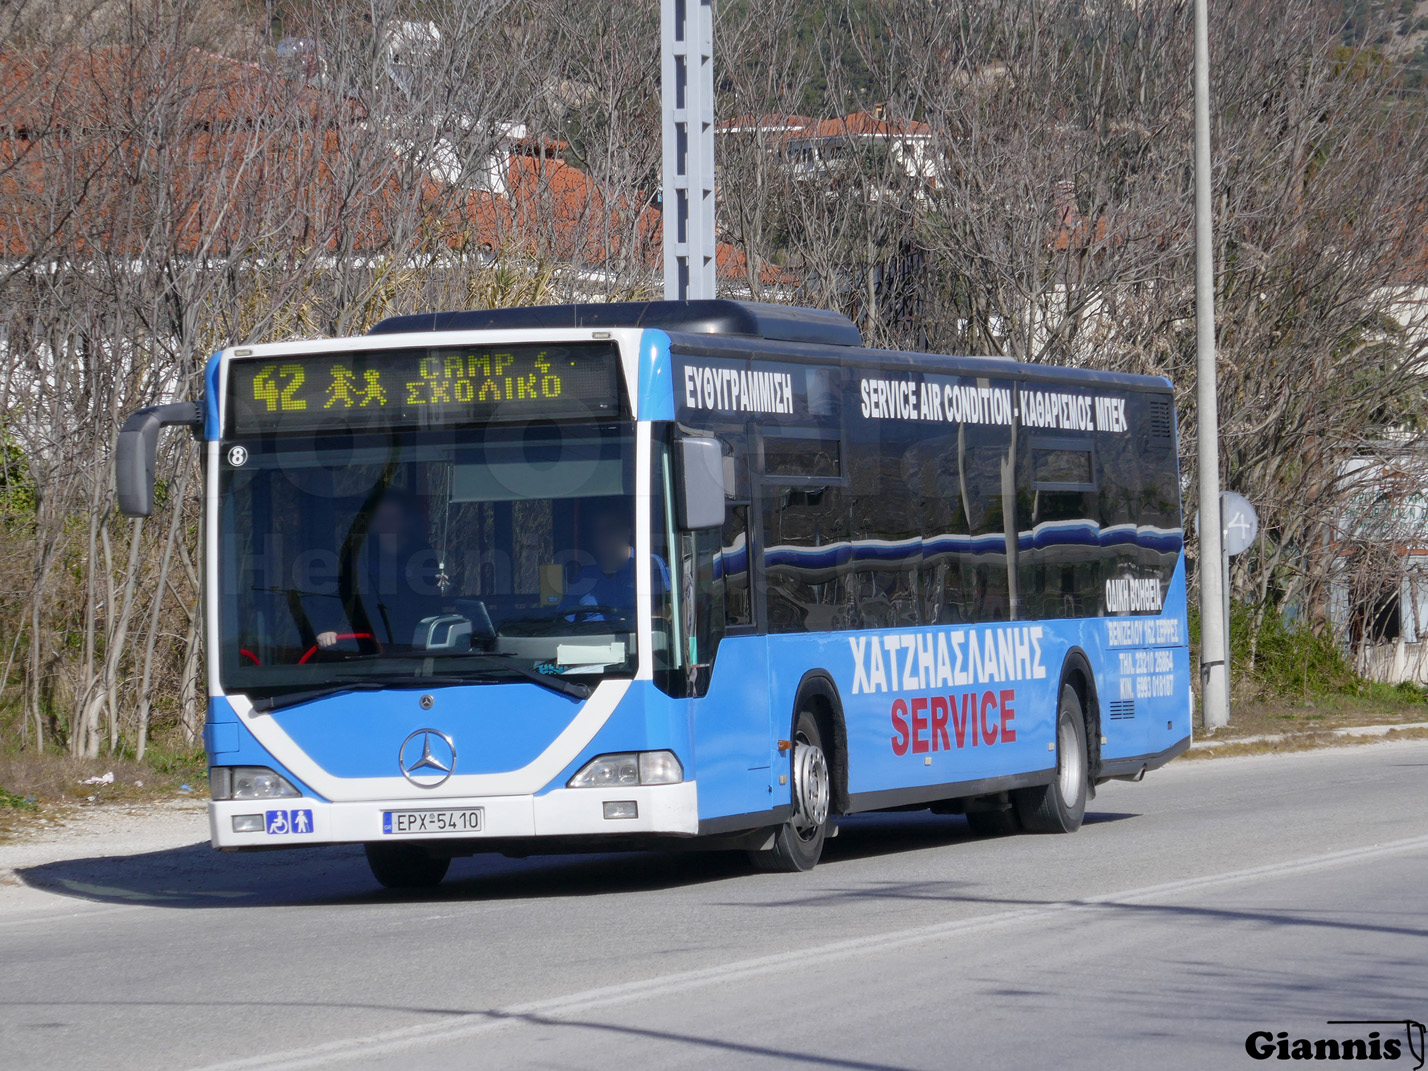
point(89, 831)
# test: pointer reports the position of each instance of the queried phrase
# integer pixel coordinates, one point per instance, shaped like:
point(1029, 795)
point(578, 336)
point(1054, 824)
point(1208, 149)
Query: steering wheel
point(342, 636)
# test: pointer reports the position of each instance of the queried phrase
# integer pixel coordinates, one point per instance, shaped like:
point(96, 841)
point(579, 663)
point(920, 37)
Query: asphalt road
point(1215, 899)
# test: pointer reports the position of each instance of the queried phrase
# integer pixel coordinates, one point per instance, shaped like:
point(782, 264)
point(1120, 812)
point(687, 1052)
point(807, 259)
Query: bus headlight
point(660, 768)
point(248, 783)
point(630, 768)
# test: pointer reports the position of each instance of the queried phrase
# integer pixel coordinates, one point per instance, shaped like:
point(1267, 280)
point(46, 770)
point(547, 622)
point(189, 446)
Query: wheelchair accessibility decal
point(281, 822)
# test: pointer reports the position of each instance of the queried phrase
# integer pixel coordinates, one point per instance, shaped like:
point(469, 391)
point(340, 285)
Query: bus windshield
point(370, 559)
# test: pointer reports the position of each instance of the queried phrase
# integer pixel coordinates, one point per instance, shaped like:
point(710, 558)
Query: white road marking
point(482, 1022)
point(48, 915)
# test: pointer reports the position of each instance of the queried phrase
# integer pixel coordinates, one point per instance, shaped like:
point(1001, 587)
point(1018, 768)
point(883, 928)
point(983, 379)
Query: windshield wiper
point(552, 681)
point(264, 703)
point(366, 682)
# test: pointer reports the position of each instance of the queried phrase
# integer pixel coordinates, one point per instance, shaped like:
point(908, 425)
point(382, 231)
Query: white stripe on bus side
point(644, 540)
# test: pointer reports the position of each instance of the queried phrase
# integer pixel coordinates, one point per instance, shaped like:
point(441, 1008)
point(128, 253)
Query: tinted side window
point(807, 558)
point(887, 541)
point(979, 589)
point(1156, 489)
point(1059, 533)
point(732, 561)
point(931, 480)
point(732, 565)
point(1075, 534)
point(930, 468)
point(1120, 507)
point(801, 456)
point(956, 481)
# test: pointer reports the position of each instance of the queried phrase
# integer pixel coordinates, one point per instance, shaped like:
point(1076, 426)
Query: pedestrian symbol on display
point(281, 822)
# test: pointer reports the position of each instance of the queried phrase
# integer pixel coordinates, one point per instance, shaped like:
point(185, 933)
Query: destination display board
point(424, 387)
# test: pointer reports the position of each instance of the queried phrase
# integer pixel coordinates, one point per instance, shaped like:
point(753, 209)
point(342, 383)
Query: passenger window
point(807, 558)
point(1060, 553)
point(1062, 468)
point(964, 539)
point(733, 566)
point(802, 457)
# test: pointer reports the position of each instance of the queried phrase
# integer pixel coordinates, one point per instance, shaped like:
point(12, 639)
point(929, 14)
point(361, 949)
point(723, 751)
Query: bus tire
point(405, 866)
point(1060, 806)
point(798, 844)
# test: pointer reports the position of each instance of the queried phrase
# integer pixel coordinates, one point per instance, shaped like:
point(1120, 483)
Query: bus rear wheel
point(1060, 806)
point(405, 866)
point(798, 844)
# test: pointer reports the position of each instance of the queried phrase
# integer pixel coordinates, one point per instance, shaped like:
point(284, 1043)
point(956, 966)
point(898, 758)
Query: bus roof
point(749, 319)
point(725, 328)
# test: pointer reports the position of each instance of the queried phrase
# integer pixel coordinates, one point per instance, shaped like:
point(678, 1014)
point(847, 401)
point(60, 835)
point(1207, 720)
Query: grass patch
point(58, 778)
point(1302, 682)
point(1252, 715)
point(50, 786)
point(1294, 661)
point(15, 801)
point(14, 808)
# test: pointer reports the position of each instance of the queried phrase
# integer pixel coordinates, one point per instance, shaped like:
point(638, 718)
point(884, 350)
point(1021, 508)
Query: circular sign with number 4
point(1239, 522)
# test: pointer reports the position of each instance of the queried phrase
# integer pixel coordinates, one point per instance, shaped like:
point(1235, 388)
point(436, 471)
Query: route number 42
point(277, 386)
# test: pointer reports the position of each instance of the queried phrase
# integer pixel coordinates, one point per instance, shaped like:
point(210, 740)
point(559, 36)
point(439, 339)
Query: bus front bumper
point(568, 812)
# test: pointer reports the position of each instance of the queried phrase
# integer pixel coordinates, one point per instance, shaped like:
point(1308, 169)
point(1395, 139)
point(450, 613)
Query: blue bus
point(651, 575)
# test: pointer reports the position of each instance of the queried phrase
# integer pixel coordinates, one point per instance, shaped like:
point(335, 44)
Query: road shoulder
point(89, 831)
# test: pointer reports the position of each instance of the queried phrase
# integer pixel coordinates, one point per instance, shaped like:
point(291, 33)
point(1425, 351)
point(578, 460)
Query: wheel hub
point(810, 789)
point(1069, 762)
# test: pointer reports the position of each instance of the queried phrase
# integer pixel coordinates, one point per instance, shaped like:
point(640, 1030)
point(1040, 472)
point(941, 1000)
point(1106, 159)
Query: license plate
point(467, 820)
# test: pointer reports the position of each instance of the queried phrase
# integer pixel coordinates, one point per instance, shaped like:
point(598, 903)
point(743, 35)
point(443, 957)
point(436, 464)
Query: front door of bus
point(732, 719)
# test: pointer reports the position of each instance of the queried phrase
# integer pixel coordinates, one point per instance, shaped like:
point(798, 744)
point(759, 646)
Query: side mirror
point(701, 484)
point(134, 453)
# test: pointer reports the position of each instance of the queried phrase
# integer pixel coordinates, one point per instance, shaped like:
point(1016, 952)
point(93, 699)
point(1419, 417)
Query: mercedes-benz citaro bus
point(652, 575)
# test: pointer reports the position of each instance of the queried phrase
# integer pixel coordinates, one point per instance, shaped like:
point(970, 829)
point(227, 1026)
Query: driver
point(609, 580)
point(395, 574)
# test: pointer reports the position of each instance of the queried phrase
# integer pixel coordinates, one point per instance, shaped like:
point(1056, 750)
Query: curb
point(1275, 738)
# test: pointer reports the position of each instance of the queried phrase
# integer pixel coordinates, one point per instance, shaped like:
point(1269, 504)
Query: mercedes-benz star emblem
point(427, 758)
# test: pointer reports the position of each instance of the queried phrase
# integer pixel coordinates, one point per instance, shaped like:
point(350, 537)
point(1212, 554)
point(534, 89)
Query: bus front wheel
point(405, 866)
point(1060, 806)
point(798, 844)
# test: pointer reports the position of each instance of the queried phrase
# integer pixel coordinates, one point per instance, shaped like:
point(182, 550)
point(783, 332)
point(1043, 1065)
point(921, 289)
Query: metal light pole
point(1214, 634)
point(687, 101)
